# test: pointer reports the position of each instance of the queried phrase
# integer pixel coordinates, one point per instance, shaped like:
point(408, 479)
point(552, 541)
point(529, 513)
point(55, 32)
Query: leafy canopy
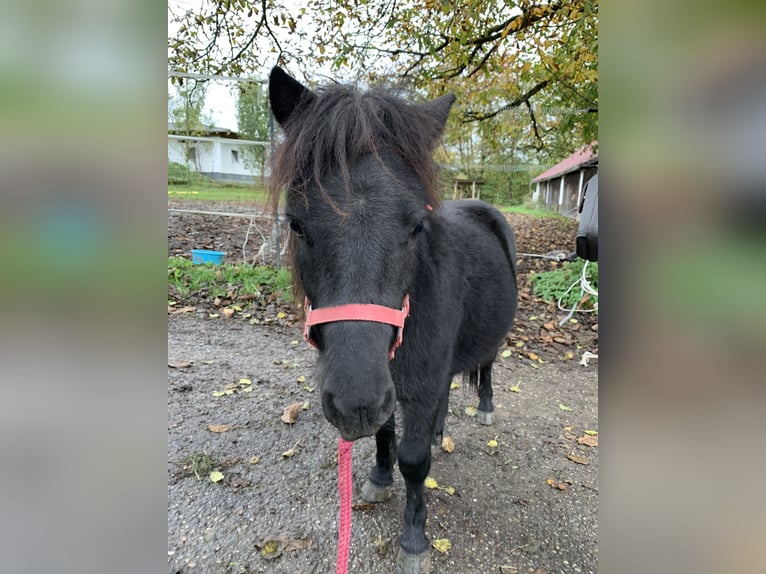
point(527, 70)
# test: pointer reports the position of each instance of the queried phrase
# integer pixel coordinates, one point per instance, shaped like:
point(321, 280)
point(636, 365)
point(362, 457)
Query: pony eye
point(296, 227)
point(418, 228)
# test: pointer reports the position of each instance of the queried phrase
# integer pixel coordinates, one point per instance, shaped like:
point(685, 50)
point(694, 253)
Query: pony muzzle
point(358, 415)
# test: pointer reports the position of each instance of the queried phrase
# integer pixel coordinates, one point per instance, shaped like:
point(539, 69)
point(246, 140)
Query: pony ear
point(285, 94)
point(439, 110)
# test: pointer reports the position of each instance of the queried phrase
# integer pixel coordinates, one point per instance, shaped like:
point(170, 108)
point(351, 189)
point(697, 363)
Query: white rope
point(585, 287)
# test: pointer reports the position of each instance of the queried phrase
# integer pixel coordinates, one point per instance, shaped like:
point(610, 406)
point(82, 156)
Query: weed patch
point(190, 283)
point(557, 284)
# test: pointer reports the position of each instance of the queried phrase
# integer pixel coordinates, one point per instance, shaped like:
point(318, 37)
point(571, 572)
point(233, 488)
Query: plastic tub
point(207, 256)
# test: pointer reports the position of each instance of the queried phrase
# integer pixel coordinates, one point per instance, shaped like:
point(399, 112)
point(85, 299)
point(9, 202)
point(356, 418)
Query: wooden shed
point(464, 187)
point(560, 188)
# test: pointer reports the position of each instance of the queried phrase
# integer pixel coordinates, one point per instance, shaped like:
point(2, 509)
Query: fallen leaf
point(302, 379)
point(270, 549)
point(236, 307)
point(183, 310)
point(589, 440)
point(281, 315)
point(470, 411)
point(274, 545)
point(430, 482)
point(506, 353)
point(563, 486)
point(309, 389)
point(565, 408)
point(306, 406)
point(549, 326)
point(217, 301)
point(519, 343)
point(213, 315)
point(218, 393)
point(219, 428)
point(290, 414)
point(228, 313)
point(216, 476)
point(179, 364)
point(293, 342)
point(591, 432)
point(255, 459)
point(450, 490)
point(533, 356)
point(570, 436)
point(208, 362)
point(515, 389)
point(492, 443)
point(578, 459)
point(289, 453)
point(447, 444)
point(569, 355)
point(454, 385)
point(506, 569)
point(245, 382)
point(442, 545)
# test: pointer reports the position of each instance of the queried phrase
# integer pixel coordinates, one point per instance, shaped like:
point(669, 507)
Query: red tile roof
point(578, 158)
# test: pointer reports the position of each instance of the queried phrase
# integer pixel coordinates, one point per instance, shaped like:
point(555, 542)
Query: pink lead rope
point(344, 490)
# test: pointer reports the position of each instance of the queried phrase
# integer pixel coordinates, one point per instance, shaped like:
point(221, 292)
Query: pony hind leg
point(484, 413)
point(379, 485)
point(441, 417)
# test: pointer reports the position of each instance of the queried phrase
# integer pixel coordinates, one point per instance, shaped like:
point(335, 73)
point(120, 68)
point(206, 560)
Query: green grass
point(186, 279)
point(527, 210)
point(553, 285)
point(199, 463)
point(231, 193)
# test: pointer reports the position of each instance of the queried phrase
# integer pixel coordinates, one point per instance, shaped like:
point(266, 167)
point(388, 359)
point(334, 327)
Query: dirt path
point(503, 517)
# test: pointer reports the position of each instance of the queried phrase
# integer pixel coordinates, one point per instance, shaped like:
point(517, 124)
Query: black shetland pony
point(368, 232)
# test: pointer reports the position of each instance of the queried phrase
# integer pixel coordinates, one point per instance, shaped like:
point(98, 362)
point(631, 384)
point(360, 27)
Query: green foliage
point(253, 123)
point(185, 279)
point(555, 285)
point(526, 71)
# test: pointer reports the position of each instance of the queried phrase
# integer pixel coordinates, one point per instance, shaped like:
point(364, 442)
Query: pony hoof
point(372, 492)
point(484, 417)
point(407, 563)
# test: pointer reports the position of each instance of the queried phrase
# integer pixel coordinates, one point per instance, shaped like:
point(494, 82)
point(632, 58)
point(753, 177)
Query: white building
point(216, 153)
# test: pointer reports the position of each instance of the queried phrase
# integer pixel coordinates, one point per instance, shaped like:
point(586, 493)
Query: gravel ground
point(505, 515)
point(521, 507)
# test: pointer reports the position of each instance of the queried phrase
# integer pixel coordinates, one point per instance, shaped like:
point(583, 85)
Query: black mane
point(336, 125)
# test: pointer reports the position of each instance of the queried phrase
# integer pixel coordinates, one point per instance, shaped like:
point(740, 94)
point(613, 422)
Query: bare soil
point(527, 505)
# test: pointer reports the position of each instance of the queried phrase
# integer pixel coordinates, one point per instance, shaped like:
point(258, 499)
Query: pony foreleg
point(379, 484)
point(414, 464)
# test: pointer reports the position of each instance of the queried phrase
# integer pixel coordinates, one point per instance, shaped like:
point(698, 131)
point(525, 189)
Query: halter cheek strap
point(358, 312)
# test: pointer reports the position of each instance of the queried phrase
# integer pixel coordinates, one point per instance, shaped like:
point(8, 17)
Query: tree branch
point(470, 116)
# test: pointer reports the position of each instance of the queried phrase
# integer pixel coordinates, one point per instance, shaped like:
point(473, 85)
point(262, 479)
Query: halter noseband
point(358, 312)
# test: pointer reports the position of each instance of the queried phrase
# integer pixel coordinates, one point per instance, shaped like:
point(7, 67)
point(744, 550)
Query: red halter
point(358, 312)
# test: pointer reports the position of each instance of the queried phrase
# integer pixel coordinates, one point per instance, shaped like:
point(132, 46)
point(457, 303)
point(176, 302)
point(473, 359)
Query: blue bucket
point(207, 256)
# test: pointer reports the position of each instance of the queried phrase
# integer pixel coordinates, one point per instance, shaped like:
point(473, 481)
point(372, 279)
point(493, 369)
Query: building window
point(235, 156)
